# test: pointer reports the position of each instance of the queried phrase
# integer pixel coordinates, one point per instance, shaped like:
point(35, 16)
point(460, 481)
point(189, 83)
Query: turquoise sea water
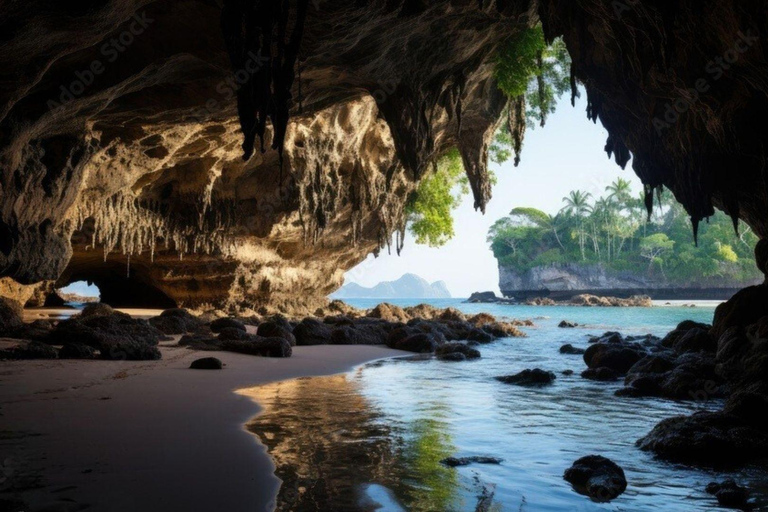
point(373, 439)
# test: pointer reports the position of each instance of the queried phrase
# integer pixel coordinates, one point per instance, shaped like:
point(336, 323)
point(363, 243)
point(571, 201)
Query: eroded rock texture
point(123, 155)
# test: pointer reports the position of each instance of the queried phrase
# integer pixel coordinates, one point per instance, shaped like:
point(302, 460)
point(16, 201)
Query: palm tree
point(540, 219)
point(577, 203)
point(620, 190)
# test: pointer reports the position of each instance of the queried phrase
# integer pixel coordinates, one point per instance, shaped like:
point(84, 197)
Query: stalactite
point(516, 125)
point(615, 147)
point(648, 199)
point(574, 88)
point(122, 222)
point(259, 28)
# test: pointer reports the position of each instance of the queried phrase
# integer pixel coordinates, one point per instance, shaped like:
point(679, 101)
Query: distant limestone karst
point(409, 286)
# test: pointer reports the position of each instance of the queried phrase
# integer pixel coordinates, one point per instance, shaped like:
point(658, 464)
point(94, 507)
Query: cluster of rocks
point(635, 301)
point(680, 366)
point(540, 301)
point(100, 331)
point(584, 299)
point(698, 362)
point(730, 494)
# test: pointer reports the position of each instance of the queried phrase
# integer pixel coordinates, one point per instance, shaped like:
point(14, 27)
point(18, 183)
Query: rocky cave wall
point(122, 150)
point(121, 134)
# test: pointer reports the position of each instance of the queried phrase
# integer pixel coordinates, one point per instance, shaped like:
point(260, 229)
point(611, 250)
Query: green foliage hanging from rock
point(534, 75)
point(430, 207)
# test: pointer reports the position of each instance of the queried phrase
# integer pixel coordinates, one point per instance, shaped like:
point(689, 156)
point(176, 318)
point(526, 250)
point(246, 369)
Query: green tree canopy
point(612, 230)
point(430, 208)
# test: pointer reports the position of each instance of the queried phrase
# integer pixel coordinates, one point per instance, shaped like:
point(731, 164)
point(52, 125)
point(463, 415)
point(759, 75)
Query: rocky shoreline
point(101, 332)
point(637, 301)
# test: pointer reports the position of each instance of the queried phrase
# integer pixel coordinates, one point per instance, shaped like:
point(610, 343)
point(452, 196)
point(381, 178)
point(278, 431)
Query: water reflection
point(334, 451)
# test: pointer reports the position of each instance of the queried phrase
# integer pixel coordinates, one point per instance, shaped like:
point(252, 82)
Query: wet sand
point(148, 435)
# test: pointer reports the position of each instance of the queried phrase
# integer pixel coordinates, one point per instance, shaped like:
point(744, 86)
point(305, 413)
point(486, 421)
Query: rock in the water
point(76, 351)
point(312, 332)
point(466, 461)
point(730, 494)
point(422, 343)
point(226, 323)
point(534, 377)
point(618, 357)
point(479, 336)
point(456, 352)
point(567, 373)
point(506, 329)
point(207, 363)
point(598, 477)
point(600, 374)
point(707, 438)
point(695, 340)
point(567, 325)
point(482, 297)
point(570, 349)
point(453, 357)
point(682, 328)
point(689, 376)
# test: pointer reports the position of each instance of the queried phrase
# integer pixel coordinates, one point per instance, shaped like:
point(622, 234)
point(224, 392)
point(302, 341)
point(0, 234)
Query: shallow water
point(373, 439)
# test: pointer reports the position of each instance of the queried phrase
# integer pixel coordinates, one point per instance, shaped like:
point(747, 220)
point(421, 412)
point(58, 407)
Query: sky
point(567, 154)
point(82, 288)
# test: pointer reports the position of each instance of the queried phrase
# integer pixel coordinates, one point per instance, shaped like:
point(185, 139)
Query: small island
point(603, 246)
point(409, 286)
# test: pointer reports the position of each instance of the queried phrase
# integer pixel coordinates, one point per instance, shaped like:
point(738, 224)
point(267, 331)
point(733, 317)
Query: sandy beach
point(148, 435)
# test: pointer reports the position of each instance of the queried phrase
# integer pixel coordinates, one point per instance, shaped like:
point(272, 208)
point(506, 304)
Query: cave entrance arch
point(118, 286)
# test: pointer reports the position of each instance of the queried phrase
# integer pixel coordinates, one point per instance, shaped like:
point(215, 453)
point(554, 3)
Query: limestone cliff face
point(122, 129)
point(566, 280)
point(124, 123)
